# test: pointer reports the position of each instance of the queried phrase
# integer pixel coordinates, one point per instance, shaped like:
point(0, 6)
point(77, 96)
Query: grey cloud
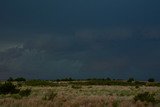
point(108, 65)
point(119, 33)
point(52, 55)
point(151, 33)
point(37, 62)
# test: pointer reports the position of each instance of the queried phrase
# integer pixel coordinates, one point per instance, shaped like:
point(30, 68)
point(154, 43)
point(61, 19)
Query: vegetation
point(69, 92)
point(16, 96)
point(8, 88)
point(76, 86)
point(50, 96)
point(91, 81)
point(40, 83)
point(20, 79)
point(130, 80)
point(25, 93)
point(10, 79)
point(65, 79)
point(96, 96)
point(151, 80)
point(146, 96)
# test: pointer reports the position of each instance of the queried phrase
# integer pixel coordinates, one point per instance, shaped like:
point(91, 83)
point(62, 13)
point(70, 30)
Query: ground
point(80, 96)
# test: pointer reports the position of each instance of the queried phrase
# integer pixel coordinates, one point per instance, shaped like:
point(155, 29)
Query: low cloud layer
point(115, 52)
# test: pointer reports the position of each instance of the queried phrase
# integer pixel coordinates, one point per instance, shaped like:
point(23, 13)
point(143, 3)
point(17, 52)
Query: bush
point(115, 103)
point(25, 93)
point(136, 86)
point(20, 79)
point(40, 83)
point(10, 79)
point(76, 86)
point(8, 88)
point(130, 80)
point(146, 96)
point(16, 96)
point(2, 96)
point(19, 84)
point(50, 96)
point(151, 80)
point(67, 79)
point(108, 79)
point(139, 83)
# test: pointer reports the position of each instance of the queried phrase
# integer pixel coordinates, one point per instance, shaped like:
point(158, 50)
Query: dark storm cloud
point(61, 14)
point(86, 38)
point(76, 55)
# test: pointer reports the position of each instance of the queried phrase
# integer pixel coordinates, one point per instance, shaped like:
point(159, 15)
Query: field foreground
point(80, 96)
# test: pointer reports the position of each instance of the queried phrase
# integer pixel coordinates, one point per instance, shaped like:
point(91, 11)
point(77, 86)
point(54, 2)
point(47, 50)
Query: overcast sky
point(51, 39)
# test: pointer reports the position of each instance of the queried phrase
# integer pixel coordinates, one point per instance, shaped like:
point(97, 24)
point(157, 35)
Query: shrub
point(139, 83)
point(130, 80)
point(16, 96)
point(25, 93)
point(76, 86)
point(151, 80)
point(124, 93)
point(40, 83)
point(108, 79)
point(136, 86)
point(19, 84)
point(2, 96)
point(146, 96)
point(67, 79)
point(115, 103)
point(50, 96)
point(157, 97)
point(10, 79)
point(20, 79)
point(8, 88)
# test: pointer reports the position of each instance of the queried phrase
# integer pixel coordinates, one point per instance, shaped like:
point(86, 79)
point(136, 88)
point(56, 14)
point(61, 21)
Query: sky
point(52, 39)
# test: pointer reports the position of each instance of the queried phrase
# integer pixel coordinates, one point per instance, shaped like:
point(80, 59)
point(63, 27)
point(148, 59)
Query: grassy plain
point(71, 95)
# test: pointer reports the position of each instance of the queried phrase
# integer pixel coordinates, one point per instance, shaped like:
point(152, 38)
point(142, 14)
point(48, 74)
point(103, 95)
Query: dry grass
point(85, 96)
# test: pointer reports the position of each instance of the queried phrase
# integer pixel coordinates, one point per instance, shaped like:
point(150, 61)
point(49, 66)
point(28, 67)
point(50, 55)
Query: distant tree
point(70, 79)
point(130, 80)
point(108, 79)
point(10, 79)
point(58, 80)
point(151, 80)
point(140, 83)
point(20, 79)
point(67, 79)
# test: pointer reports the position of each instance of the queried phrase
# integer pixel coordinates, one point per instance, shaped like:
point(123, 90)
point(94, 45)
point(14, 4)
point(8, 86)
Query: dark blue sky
point(80, 39)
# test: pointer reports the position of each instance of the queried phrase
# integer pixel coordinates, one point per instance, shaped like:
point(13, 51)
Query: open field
point(81, 96)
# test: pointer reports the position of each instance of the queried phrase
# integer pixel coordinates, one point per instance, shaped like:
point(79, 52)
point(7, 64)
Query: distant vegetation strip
point(94, 81)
